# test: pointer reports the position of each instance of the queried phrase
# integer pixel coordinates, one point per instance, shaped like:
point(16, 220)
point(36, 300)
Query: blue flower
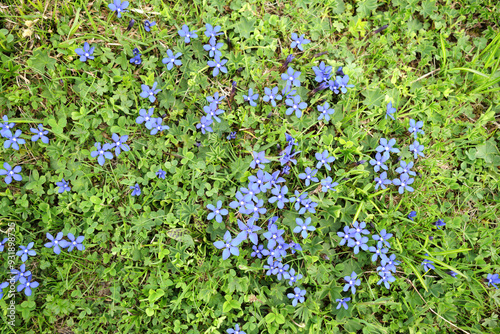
point(382, 181)
point(298, 42)
point(63, 186)
point(248, 230)
point(86, 52)
point(13, 139)
point(346, 235)
point(390, 111)
point(273, 235)
point(251, 97)
point(20, 273)
point(215, 99)
point(145, 116)
point(280, 270)
point(326, 111)
point(256, 208)
point(149, 92)
point(439, 223)
point(492, 279)
point(452, 273)
point(383, 237)
point(212, 31)
point(27, 285)
point(389, 262)
point(308, 205)
point(333, 85)
point(322, 72)
point(297, 296)
point(229, 245)
point(171, 59)
point(379, 161)
point(417, 149)
point(416, 127)
point(276, 179)
point(270, 262)
point(326, 184)
point(308, 175)
point(298, 199)
point(378, 251)
point(136, 190)
point(291, 277)
point(352, 282)
point(294, 247)
point(213, 47)
point(412, 214)
point(231, 136)
point(241, 201)
point(217, 212)
point(257, 251)
point(285, 170)
point(287, 155)
point(25, 251)
point(403, 183)
point(12, 173)
point(253, 190)
point(288, 91)
point(218, 65)
point(40, 133)
point(271, 95)
point(291, 77)
point(324, 159)
point(339, 71)
point(184, 32)
point(148, 25)
point(118, 7)
point(282, 247)
point(161, 174)
point(303, 226)
point(102, 153)
point(295, 105)
point(427, 264)
point(387, 146)
point(155, 125)
point(136, 59)
point(358, 242)
point(236, 330)
point(2, 244)
point(405, 168)
point(262, 179)
point(387, 278)
point(6, 126)
point(259, 159)
point(119, 143)
point(204, 124)
point(3, 286)
point(359, 228)
point(56, 242)
point(343, 302)
point(342, 83)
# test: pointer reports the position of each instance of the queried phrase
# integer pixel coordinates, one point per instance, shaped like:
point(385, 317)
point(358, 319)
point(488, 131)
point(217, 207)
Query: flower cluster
point(57, 242)
point(213, 47)
point(337, 85)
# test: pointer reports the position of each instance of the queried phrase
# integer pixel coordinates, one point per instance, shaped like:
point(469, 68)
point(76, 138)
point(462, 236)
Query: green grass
point(150, 265)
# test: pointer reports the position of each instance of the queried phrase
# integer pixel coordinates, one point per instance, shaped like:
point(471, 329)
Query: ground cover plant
point(249, 167)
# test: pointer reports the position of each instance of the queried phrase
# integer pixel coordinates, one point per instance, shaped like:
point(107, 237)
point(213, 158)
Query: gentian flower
point(439, 223)
point(322, 72)
point(161, 174)
point(291, 77)
point(382, 181)
point(40, 133)
point(339, 71)
point(295, 105)
point(280, 270)
point(271, 95)
point(276, 179)
point(63, 186)
point(308, 205)
point(2, 244)
point(145, 116)
point(379, 161)
point(285, 170)
point(136, 59)
point(204, 125)
point(298, 199)
point(118, 7)
point(343, 302)
point(359, 228)
point(241, 201)
point(387, 278)
point(257, 251)
point(20, 273)
point(75, 242)
point(236, 330)
point(171, 59)
point(253, 190)
point(291, 277)
point(262, 179)
point(452, 273)
point(102, 153)
point(279, 195)
point(287, 155)
point(212, 111)
point(387, 146)
point(288, 92)
point(130, 24)
point(389, 262)
point(56, 242)
point(346, 235)
point(215, 99)
point(3, 286)
point(259, 159)
point(412, 214)
point(13, 139)
point(298, 42)
point(6, 126)
point(378, 251)
point(403, 183)
point(25, 251)
point(120, 143)
point(213, 48)
point(218, 65)
point(212, 31)
point(270, 263)
point(148, 25)
point(326, 111)
point(405, 168)
point(136, 190)
point(303, 226)
point(273, 235)
point(326, 184)
point(27, 285)
point(342, 83)
point(282, 247)
point(324, 159)
point(427, 264)
point(493, 279)
point(383, 237)
point(416, 127)
point(333, 85)
point(390, 111)
point(11, 173)
point(297, 296)
point(294, 247)
point(155, 125)
point(229, 245)
point(308, 175)
point(248, 230)
point(86, 52)
point(251, 97)
point(218, 212)
point(358, 242)
point(352, 282)
point(417, 149)
point(149, 92)
point(231, 136)
point(184, 32)
point(256, 208)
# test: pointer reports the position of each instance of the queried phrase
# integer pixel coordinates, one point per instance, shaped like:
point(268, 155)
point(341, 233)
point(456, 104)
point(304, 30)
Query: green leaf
point(270, 318)
point(415, 271)
point(41, 61)
point(451, 251)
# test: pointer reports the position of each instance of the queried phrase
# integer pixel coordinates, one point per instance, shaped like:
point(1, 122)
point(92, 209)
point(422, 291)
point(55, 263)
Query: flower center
point(86, 55)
